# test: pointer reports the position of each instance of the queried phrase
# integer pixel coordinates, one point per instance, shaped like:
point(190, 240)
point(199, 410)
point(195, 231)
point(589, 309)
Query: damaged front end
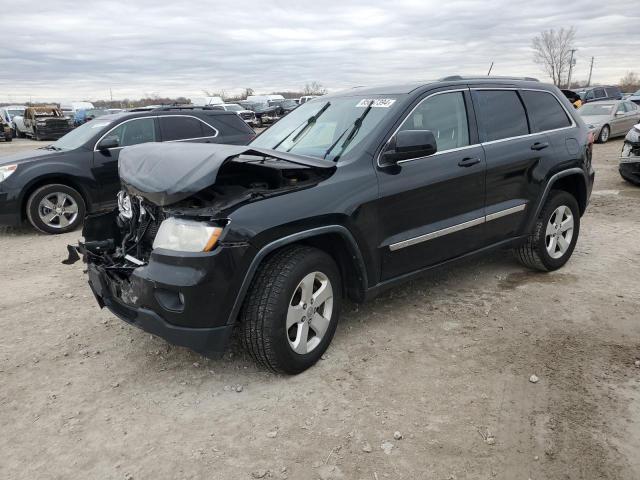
point(630, 156)
point(165, 259)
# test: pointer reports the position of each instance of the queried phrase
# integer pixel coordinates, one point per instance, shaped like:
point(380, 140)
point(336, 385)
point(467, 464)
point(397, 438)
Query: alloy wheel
point(559, 232)
point(58, 210)
point(309, 312)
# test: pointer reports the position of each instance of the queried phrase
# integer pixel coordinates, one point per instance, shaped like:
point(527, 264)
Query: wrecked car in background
point(265, 114)
point(247, 115)
point(6, 133)
point(285, 106)
point(46, 123)
point(629, 167)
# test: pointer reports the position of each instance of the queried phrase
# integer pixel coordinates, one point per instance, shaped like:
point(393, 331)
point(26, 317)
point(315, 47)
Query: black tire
point(260, 124)
point(33, 203)
point(604, 138)
point(263, 315)
point(36, 135)
point(9, 138)
point(533, 253)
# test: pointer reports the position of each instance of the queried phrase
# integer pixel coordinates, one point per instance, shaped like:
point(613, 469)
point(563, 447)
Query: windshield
point(13, 113)
point(593, 109)
point(234, 108)
point(81, 135)
point(334, 119)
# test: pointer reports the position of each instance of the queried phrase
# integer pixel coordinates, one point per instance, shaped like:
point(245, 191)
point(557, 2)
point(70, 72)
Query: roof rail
point(452, 78)
point(185, 107)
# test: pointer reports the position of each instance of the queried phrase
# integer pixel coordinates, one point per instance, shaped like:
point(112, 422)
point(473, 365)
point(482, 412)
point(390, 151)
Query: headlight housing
point(7, 170)
point(186, 235)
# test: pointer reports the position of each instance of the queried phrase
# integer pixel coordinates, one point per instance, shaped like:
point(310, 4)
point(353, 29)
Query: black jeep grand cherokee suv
point(346, 196)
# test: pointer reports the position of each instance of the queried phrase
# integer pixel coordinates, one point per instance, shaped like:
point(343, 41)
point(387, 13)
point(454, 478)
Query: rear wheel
point(36, 134)
point(292, 309)
point(554, 235)
point(55, 208)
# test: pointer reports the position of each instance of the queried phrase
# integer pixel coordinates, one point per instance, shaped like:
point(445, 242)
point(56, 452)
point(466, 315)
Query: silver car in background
point(610, 118)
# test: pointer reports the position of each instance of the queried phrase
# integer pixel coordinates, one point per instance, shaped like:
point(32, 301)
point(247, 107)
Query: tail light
point(591, 138)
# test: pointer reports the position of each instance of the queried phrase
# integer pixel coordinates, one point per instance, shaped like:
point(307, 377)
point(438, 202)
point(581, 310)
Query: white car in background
point(306, 98)
point(13, 115)
point(247, 115)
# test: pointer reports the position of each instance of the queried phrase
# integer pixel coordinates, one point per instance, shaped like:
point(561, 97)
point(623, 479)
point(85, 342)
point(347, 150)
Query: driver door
point(105, 161)
point(431, 209)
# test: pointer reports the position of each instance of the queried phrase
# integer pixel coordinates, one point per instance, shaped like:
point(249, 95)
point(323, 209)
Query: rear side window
point(599, 92)
point(545, 112)
point(230, 124)
point(183, 128)
point(500, 114)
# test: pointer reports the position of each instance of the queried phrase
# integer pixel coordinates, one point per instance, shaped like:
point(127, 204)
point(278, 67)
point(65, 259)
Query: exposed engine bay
point(122, 240)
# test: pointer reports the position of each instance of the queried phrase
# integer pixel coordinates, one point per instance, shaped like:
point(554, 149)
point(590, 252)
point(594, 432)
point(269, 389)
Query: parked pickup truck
point(348, 195)
point(44, 123)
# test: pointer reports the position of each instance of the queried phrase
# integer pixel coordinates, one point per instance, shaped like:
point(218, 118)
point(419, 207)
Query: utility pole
point(590, 72)
point(490, 68)
point(111, 94)
point(573, 50)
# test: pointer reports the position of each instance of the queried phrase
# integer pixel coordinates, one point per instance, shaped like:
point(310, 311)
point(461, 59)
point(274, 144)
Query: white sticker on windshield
point(99, 125)
point(377, 102)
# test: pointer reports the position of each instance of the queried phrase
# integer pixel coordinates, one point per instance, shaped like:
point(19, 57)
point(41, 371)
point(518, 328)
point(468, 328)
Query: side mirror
point(109, 142)
point(410, 144)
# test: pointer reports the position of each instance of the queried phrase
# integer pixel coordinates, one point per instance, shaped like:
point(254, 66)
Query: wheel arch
point(573, 181)
point(335, 240)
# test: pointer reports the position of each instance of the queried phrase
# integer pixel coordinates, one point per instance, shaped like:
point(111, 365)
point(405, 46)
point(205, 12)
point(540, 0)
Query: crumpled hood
point(165, 173)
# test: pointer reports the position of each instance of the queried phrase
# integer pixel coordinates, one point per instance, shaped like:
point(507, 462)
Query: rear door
point(512, 154)
point(431, 209)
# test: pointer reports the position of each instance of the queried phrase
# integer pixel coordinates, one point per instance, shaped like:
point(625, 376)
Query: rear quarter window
point(228, 125)
point(545, 112)
point(500, 114)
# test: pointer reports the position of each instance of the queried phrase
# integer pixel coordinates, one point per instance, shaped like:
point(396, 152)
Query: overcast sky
point(73, 50)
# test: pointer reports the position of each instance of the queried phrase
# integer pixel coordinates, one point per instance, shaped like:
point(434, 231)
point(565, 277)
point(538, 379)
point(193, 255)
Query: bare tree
point(552, 50)
point(314, 88)
point(630, 82)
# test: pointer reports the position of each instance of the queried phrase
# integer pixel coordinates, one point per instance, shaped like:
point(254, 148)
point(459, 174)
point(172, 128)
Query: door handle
point(468, 162)
point(539, 146)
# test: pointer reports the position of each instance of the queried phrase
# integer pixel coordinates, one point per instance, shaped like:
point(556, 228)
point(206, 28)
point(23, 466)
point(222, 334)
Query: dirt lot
point(445, 361)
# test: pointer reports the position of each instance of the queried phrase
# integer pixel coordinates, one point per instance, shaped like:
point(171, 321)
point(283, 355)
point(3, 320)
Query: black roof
point(450, 80)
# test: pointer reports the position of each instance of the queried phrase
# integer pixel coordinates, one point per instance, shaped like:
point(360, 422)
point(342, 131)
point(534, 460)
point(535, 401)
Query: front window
point(445, 115)
point(594, 109)
point(327, 128)
point(141, 130)
point(81, 135)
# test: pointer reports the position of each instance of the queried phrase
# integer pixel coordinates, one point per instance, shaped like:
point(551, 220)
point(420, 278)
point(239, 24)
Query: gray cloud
point(65, 49)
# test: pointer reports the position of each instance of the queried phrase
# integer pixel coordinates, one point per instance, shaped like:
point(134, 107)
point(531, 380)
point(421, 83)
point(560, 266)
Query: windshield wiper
point(307, 124)
point(353, 131)
point(51, 147)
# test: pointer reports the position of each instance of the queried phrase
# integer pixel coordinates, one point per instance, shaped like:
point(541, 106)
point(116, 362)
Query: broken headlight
point(7, 170)
point(186, 235)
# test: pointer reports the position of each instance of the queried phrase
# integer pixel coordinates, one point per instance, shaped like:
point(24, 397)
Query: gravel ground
point(445, 361)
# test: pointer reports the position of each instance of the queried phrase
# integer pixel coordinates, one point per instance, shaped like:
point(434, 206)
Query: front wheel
point(554, 235)
point(605, 133)
point(55, 208)
point(291, 310)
